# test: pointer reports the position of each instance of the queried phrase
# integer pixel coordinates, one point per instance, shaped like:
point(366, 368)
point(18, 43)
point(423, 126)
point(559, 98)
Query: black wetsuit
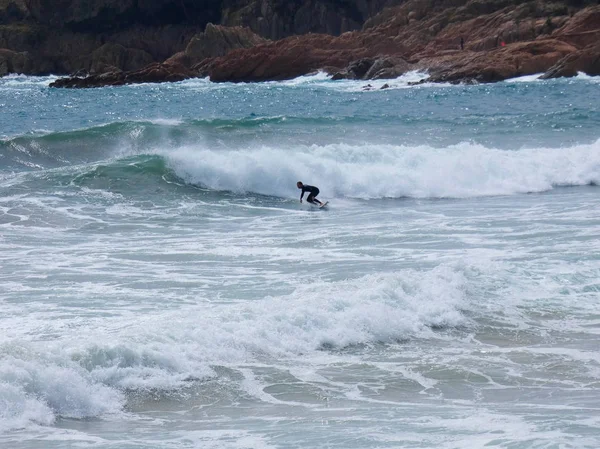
point(312, 193)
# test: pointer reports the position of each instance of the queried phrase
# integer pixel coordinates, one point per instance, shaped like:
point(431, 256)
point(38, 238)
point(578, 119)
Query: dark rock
point(388, 68)
point(502, 38)
point(115, 55)
point(276, 19)
point(154, 73)
point(358, 69)
point(63, 36)
point(216, 40)
point(79, 74)
point(13, 62)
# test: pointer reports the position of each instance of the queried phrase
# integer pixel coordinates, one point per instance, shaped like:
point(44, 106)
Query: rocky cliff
point(471, 40)
point(96, 36)
point(257, 40)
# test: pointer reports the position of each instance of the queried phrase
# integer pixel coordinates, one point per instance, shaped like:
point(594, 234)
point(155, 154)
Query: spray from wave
point(386, 171)
point(89, 375)
point(363, 171)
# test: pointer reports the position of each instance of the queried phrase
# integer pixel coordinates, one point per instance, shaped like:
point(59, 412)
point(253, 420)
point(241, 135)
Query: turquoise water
point(162, 286)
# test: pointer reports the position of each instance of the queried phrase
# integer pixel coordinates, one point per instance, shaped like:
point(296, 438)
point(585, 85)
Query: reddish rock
point(456, 41)
point(586, 61)
point(523, 58)
point(582, 30)
point(500, 41)
point(296, 56)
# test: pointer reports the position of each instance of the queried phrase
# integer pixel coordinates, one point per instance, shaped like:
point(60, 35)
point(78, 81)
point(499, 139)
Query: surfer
point(312, 193)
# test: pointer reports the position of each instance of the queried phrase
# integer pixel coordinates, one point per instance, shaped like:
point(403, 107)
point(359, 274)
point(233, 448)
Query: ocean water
point(161, 285)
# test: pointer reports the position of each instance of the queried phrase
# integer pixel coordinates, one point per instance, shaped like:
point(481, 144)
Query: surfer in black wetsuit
point(312, 193)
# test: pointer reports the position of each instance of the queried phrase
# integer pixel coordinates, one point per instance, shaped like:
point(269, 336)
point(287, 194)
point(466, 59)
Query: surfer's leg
point(311, 199)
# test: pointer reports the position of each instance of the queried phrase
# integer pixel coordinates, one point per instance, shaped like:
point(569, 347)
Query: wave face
point(383, 171)
point(420, 142)
point(340, 170)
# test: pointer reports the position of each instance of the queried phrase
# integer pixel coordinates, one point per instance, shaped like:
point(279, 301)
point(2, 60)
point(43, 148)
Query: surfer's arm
point(301, 195)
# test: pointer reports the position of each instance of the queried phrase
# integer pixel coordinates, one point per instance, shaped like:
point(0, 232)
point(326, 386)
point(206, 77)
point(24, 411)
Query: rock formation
point(154, 73)
point(65, 36)
point(213, 42)
point(586, 60)
point(500, 38)
point(454, 40)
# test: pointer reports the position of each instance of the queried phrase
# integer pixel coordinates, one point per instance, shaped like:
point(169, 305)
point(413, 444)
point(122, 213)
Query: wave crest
point(387, 171)
point(91, 375)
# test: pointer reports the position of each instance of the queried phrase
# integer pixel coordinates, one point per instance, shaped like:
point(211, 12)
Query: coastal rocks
point(111, 56)
point(114, 65)
point(523, 58)
point(465, 41)
point(275, 19)
point(63, 51)
point(454, 41)
point(583, 29)
point(374, 68)
point(295, 56)
point(216, 41)
point(154, 73)
point(356, 70)
point(586, 61)
point(110, 15)
point(64, 36)
point(13, 62)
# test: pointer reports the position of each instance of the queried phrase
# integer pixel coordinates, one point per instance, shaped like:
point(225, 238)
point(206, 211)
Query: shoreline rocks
point(461, 41)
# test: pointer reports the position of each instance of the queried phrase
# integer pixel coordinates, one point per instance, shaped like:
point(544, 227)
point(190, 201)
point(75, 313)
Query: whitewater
point(162, 286)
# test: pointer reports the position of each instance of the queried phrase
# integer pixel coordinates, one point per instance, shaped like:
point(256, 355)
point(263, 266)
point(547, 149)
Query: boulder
point(523, 58)
point(388, 68)
point(586, 61)
point(371, 68)
point(216, 40)
point(154, 73)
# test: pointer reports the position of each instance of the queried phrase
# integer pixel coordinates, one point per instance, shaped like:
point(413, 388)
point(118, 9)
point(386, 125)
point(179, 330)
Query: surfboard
point(324, 204)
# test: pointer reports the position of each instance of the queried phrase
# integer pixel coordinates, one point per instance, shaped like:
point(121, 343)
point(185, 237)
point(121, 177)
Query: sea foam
point(388, 171)
point(88, 375)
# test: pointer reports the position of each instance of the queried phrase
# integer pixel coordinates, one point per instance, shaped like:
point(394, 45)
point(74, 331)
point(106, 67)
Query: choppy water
point(162, 287)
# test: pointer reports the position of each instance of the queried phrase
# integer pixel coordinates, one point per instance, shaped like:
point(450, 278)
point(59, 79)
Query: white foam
point(84, 374)
point(526, 79)
point(35, 389)
point(387, 171)
point(163, 121)
point(314, 78)
point(323, 80)
point(18, 80)
point(585, 77)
